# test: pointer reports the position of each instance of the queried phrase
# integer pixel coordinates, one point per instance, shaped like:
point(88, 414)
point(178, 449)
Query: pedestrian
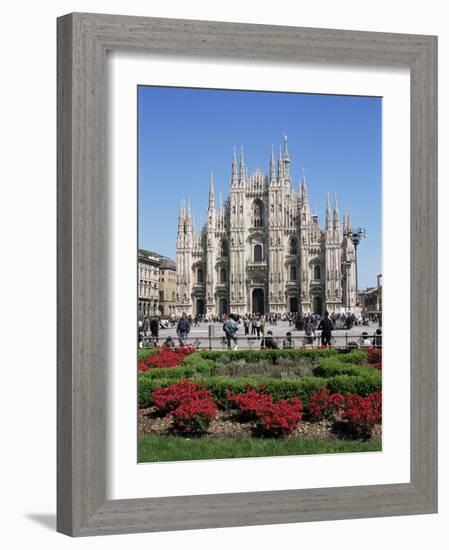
point(230, 328)
point(309, 331)
point(377, 340)
point(327, 326)
point(364, 341)
point(183, 329)
point(288, 342)
point(169, 343)
point(268, 342)
point(246, 325)
point(154, 329)
point(258, 327)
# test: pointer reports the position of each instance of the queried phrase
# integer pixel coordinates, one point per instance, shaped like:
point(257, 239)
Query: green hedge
point(279, 389)
point(333, 367)
point(255, 355)
point(143, 353)
point(361, 385)
point(191, 367)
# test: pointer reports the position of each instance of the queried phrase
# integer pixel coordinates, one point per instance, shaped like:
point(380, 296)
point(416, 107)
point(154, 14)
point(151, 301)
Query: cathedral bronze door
point(223, 305)
point(318, 305)
point(258, 301)
point(294, 304)
point(200, 307)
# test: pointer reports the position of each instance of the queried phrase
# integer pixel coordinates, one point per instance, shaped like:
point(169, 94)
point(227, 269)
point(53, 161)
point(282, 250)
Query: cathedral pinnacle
point(272, 167)
point(242, 170)
point(280, 164)
point(328, 212)
point(235, 178)
point(336, 214)
point(211, 192)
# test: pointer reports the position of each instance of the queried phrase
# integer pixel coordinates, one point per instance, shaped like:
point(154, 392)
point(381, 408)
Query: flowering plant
point(165, 358)
point(375, 357)
point(325, 405)
point(361, 413)
point(280, 418)
point(190, 405)
point(273, 419)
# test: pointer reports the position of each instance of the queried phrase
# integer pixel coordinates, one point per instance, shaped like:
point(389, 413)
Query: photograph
point(259, 273)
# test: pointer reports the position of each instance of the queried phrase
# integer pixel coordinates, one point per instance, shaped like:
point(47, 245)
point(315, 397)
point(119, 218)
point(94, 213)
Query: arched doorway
point(318, 305)
point(294, 304)
point(223, 305)
point(258, 301)
point(200, 308)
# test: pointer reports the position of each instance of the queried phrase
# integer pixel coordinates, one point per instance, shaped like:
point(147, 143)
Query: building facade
point(167, 287)
point(371, 298)
point(148, 283)
point(263, 250)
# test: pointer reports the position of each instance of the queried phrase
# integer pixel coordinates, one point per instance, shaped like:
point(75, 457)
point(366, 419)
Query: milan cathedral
point(263, 250)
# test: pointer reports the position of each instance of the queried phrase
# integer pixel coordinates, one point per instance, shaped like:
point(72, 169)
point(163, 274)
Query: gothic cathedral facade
point(263, 251)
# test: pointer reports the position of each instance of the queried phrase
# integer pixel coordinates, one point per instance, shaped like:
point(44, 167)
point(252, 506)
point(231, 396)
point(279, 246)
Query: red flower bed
point(273, 419)
point(375, 357)
point(189, 403)
point(165, 358)
point(361, 413)
point(280, 418)
point(251, 403)
point(324, 405)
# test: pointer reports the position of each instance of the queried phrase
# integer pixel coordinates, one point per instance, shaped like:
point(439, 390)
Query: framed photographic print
point(263, 348)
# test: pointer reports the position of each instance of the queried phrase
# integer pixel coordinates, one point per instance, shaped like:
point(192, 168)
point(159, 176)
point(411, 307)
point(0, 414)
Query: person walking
point(183, 329)
point(327, 326)
point(154, 329)
point(246, 325)
point(288, 342)
point(268, 342)
point(258, 326)
point(230, 328)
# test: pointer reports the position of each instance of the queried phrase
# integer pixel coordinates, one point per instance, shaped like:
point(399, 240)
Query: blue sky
point(185, 134)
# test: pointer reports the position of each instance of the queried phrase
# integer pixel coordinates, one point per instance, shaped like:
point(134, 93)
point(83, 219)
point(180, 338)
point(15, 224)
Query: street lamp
point(356, 235)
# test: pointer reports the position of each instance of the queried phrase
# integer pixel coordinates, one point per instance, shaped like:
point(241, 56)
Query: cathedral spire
point(280, 164)
point(328, 213)
point(235, 177)
point(211, 192)
point(336, 219)
point(242, 169)
point(304, 185)
point(272, 166)
point(286, 159)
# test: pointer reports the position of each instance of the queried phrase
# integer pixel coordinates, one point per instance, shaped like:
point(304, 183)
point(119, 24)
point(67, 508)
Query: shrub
point(273, 419)
point(334, 367)
point(375, 358)
point(279, 419)
point(361, 413)
point(361, 384)
point(192, 417)
point(164, 358)
point(325, 405)
point(251, 403)
point(189, 404)
point(355, 356)
point(167, 399)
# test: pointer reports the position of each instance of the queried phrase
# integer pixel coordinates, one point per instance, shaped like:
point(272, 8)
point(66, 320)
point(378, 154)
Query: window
point(317, 273)
point(222, 275)
point(293, 246)
point(293, 274)
point(224, 248)
point(258, 253)
point(200, 275)
point(258, 213)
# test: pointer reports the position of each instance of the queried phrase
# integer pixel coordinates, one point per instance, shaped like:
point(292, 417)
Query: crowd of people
point(255, 327)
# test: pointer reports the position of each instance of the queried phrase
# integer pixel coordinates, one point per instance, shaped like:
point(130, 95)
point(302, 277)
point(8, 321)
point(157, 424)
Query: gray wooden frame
point(83, 40)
